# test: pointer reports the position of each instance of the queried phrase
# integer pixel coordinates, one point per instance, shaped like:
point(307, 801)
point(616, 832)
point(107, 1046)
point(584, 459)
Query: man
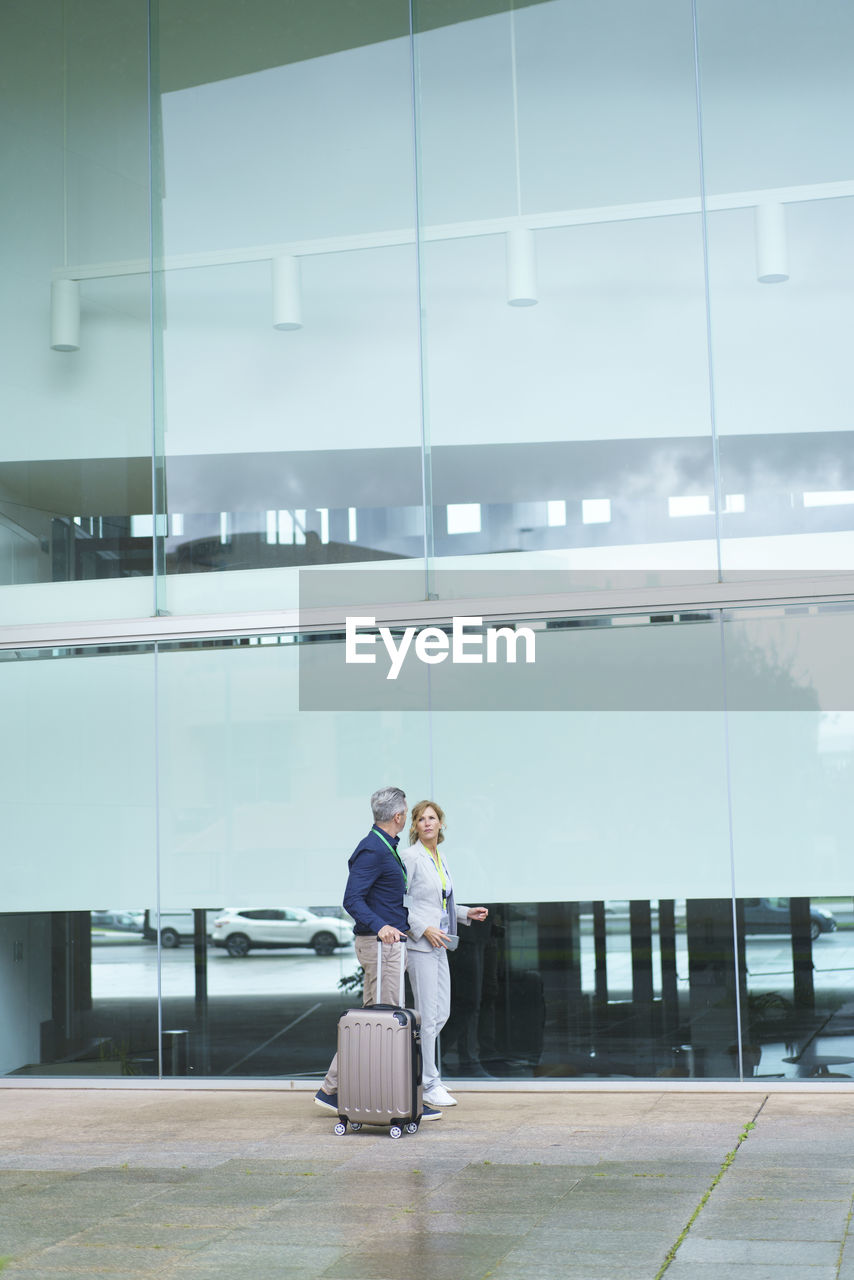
point(374, 898)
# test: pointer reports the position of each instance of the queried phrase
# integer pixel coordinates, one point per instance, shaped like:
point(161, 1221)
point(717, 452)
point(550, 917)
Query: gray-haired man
point(374, 898)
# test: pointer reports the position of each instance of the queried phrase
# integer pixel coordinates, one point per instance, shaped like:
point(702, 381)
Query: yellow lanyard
point(439, 865)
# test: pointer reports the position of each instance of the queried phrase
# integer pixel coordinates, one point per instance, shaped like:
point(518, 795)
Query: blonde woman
point(433, 920)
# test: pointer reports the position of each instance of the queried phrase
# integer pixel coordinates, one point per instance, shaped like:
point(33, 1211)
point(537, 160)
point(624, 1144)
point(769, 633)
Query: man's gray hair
point(386, 803)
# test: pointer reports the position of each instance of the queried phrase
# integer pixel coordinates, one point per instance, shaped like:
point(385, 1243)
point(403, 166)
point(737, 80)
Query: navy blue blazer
point(375, 886)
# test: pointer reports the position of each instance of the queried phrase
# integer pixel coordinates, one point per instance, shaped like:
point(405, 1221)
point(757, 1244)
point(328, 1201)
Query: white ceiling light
point(286, 281)
point(521, 268)
point(65, 315)
point(772, 266)
point(287, 297)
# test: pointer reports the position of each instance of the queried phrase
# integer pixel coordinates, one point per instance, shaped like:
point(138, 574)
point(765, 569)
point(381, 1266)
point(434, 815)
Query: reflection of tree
point(352, 983)
point(784, 799)
point(761, 673)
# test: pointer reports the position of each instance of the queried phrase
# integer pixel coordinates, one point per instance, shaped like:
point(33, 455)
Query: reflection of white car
point(265, 928)
point(127, 921)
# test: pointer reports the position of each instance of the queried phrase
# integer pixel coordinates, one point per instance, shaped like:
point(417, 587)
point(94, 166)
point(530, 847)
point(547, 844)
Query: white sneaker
point(438, 1096)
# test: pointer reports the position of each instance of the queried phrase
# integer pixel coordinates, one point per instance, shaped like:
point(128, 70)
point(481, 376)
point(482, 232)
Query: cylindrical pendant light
point(65, 315)
point(521, 268)
point(772, 266)
point(287, 300)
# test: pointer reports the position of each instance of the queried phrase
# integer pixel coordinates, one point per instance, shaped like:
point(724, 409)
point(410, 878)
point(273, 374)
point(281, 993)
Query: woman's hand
point(478, 913)
point(435, 936)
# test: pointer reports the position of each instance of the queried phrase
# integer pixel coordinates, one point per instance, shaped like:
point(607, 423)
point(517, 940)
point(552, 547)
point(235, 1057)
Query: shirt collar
point(384, 835)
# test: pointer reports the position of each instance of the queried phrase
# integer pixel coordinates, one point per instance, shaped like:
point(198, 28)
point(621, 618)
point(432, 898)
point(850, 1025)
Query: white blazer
point(424, 887)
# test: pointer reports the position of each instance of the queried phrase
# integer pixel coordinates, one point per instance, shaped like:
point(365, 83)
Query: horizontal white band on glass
point(741, 592)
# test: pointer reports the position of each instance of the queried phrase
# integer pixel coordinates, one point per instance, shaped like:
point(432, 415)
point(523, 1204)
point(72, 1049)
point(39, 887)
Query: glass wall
point(559, 285)
point(75, 403)
point(291, 351)
point(516, 304)
point(663, 850)
point(565, 323)
point(79, 816)
point(775, 93)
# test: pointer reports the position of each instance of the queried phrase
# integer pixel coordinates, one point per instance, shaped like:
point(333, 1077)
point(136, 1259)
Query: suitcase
point(379, 1065)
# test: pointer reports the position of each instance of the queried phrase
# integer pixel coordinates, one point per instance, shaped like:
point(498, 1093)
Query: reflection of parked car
point(125, 921)
point(175, 927)
point(239, 931)
point(771, 915)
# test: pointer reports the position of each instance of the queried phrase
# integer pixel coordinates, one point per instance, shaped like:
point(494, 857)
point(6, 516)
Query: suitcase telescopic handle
point(380, 945)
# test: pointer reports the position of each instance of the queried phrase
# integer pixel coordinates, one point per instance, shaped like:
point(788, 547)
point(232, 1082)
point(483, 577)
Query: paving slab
point(184, 1185)
point(682, 1270)
point(790, 1253)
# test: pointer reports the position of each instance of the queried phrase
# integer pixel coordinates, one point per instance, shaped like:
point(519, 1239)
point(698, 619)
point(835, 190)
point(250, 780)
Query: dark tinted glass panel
point(595, 990)
point(799, 959)
point(79, 994)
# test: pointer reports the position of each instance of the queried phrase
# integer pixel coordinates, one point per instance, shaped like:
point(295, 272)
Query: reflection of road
point(128, 967)
point(769, 963)
point(127, 970)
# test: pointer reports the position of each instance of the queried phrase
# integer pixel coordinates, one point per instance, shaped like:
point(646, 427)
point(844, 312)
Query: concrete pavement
point(559, 1186)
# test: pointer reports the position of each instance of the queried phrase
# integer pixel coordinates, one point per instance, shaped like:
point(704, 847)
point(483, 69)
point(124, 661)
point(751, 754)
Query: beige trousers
point(394, 954)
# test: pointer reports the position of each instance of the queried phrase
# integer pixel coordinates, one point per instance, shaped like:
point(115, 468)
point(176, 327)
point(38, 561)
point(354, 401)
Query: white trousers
point(431, 986)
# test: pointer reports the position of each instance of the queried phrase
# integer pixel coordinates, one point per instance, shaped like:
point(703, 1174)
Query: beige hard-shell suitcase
point(379, 1065)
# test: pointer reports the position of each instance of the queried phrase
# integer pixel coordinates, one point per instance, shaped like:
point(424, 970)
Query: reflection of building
point(258, 368)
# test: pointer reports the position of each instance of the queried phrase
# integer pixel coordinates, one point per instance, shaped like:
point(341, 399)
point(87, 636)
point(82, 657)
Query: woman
point(433, 920)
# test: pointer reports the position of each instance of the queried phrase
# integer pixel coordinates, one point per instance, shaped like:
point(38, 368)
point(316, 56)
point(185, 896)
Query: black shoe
point(329, 1101)
point(430, 1113)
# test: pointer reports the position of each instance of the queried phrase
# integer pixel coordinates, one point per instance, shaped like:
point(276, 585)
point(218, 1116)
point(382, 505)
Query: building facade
point(533, 313)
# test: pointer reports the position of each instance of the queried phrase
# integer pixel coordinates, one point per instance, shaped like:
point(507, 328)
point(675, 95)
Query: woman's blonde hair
point(417, 812)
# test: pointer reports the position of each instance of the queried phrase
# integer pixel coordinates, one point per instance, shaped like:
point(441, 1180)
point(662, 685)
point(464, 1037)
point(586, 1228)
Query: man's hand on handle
point(389, 934)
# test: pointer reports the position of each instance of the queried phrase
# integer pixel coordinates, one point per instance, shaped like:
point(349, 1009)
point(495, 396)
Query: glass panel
point(291, 351)
point(261, 805)
point(777, 96)
point(799, 985)
point(78, 982)
point(616, 794)
point(791, 731)
point(791, 723)
point(622, 788)
point(602, 989)
point(76, 404)
point(566, 359)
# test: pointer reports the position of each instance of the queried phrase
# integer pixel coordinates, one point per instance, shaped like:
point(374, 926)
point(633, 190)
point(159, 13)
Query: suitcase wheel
point(411, 1126)
point(341, 1127)
point(395, 1131)
point(355, 1125)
